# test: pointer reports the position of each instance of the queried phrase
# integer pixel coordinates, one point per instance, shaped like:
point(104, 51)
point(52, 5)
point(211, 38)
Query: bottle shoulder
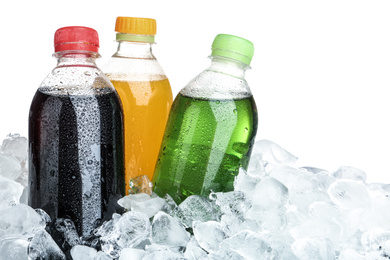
point(77, 80)
point(217, 85)
point(128, 69)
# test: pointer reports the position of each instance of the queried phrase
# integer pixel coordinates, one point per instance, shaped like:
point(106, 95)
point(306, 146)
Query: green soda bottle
point(211, 127)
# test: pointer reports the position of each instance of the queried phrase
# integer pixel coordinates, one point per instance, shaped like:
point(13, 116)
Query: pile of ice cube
point(277, 211)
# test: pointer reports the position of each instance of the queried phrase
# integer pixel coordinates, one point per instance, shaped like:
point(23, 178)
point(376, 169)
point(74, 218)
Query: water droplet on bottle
point(246, 130)
point(235, 111)
point(88, 194)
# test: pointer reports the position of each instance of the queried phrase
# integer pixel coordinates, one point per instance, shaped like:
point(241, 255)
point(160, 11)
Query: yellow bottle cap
point(135, 25)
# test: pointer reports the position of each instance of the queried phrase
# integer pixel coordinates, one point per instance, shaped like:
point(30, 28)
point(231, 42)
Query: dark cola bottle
point(76, 164)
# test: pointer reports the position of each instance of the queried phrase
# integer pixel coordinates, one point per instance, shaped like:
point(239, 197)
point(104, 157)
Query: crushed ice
point(277, 211)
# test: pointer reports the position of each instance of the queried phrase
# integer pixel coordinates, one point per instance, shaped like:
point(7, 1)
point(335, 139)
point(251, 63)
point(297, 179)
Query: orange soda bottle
point(144, 91)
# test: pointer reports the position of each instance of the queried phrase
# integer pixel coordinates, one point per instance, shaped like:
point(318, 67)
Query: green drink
point(211, 127)
point(205, 144)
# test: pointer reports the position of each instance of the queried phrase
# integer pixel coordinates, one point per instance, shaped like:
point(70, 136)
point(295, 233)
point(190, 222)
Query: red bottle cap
point(76, 38)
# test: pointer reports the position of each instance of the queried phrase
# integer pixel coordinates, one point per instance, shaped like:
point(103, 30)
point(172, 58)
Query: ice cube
point(9, 166)
point(128, 230)
point(149, 207)
point(16, 145)
point(132, 254)
point(353, 220)
point(386, 248)
point(194, 251)
point(379, 190)
point(272, 220)
point(233, 224)
point(127, 201)
point(168, 231)
point(164, 255)
point(350, 173)
point(305, 199)
point(20, 220)
point(249, 245)
point(153, 247)
point(318, 228)
point(296, 180)
point(142, 202)
point(281, 244)
point(377, 255)
point(10, 192)
point(245, 183)
point(231, 203)
point(257, 167)
point(349, 194)
point(140, 184)
point(79, 252)
point(169, 205)
point(349, 254)
point(270, 194)
point(378, 214)
point(194, 208)
point(288, 254)
point(102, 256)
point(208, 234)
point(225, 254)
point(324, 210)
point(313, 248)
point(322, 177)
point(294, 216)
point(13, 249)
point(132, 229)
point(273, 153)
point(68, 230)
point(375, 238)
point(107, 227)
point(44, 216)
point(42, 246)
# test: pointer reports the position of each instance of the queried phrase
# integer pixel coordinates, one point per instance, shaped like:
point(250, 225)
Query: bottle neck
point(228, 66)
point(141, 50)
point(76, 58)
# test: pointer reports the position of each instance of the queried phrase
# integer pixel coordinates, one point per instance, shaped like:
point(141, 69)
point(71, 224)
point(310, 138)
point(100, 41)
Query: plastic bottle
point(211, 127)
point(145, 93)
point(76, 165)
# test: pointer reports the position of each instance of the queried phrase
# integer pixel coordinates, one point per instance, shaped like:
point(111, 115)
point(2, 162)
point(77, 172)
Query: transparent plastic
point(224, 79)
point(76, 164)
point(146, 98)
point(210, 133)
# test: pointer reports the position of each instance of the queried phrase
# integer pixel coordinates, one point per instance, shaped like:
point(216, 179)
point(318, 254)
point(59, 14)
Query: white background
point(320, 73)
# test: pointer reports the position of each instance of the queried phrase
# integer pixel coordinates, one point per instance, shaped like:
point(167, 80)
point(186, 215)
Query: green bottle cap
point(233, 47)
